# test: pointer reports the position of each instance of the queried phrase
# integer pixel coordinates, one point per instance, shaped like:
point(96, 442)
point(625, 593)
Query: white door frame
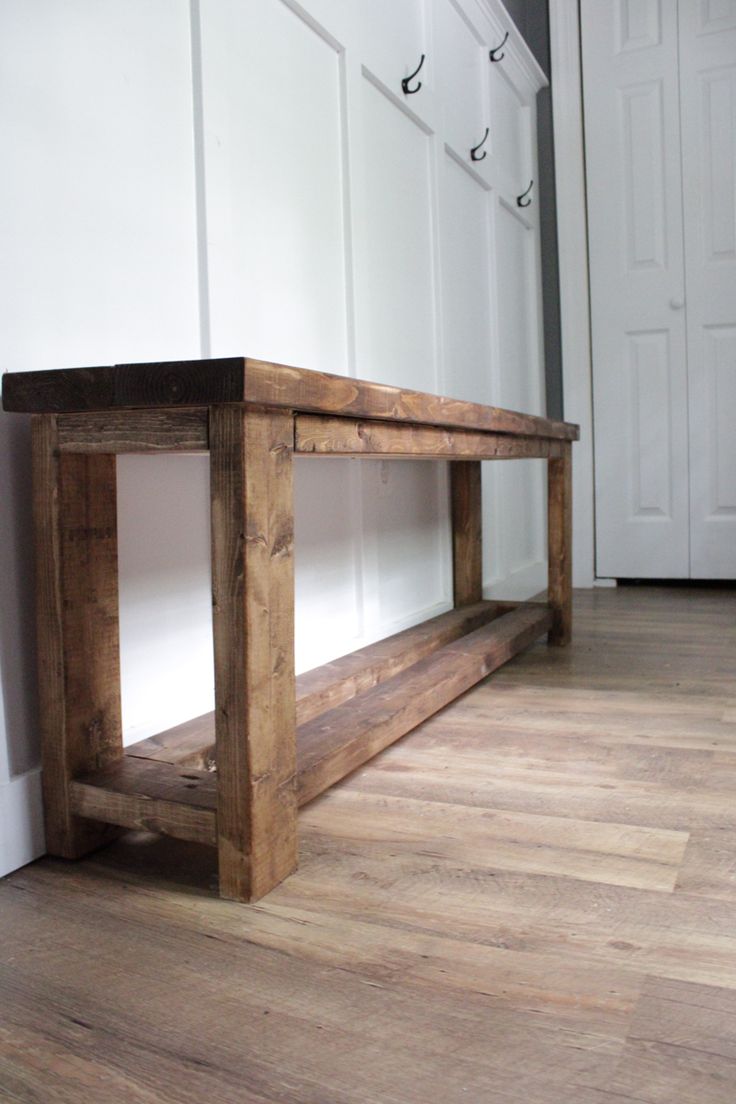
point(572, 237)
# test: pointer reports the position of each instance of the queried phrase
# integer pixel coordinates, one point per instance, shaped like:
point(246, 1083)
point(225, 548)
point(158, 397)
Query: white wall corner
point(21, 821)
point(567, 110)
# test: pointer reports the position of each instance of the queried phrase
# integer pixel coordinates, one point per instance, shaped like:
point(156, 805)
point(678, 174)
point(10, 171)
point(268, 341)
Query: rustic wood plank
point(333, 745)
point(253, 621)
point(334, 683)
point(158, 797)
point(144, 793)
point(467, 531)
point(559, 527)
point(318, 435)
point(156, 383)
point(117, 431)
point(77, 628)
point(239, 379)
point(193, 743)
point(301, 389)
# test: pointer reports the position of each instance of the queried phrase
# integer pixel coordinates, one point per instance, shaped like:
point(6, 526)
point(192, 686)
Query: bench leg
point(467, 548)
point(75, 517)
point(251, 459)
point(559, 522)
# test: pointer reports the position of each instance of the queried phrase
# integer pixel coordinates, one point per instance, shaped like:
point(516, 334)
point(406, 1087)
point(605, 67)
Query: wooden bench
point(277, 741)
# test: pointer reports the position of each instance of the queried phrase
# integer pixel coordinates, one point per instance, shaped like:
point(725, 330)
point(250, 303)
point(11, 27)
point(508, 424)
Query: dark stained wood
point(116, 431)
point(168, 383)
point(317, 435)
point(140, 793)
point(334, 683)
point(467, 531)
point(256, 415)
point(334, 744)
point(559, 528)
point(77, 628)
point(193, 743)
point(238, 379)
point(253, 621)
point(143, 793)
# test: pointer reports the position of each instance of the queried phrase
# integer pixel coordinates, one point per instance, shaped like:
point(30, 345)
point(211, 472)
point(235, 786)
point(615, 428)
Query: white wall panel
point(511, 133)
point(407, 543)
point(394, 255)
point(273, 113)
point(466, 284)
point(328, 562)
point(391, 39)
point(165, 595)
point(98, 264)
point(462, 62)
point(520, 486)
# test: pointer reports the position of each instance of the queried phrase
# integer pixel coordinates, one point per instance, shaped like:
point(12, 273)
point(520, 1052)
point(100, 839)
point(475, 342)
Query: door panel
point(708, 108)
point(637, 288)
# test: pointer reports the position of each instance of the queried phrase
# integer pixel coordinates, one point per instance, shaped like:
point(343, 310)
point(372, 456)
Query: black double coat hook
point(494, 54)
point(474, 155)
point(405, 82)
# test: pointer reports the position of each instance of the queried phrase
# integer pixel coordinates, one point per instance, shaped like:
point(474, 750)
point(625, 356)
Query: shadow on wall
point(17, 612)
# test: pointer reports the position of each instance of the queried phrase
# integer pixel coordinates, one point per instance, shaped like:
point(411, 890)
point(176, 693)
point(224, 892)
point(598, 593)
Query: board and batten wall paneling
point(99, 263)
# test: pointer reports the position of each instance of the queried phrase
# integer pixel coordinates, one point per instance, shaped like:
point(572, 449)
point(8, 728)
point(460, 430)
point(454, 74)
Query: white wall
point(99, 263)
point(187, 180)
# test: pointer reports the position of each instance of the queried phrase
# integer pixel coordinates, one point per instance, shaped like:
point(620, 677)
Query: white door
point(660, 106)
point(637, 287)
point(708, 108)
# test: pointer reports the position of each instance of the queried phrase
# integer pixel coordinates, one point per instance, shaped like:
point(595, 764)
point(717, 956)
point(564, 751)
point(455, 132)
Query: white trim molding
point(21, 821)
point(567, 111)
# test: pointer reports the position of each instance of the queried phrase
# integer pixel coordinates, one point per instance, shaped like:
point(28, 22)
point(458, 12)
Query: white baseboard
point(605, 582)
point(21, 821)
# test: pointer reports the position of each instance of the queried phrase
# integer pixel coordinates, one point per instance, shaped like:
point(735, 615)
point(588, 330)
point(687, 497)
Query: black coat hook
point(520, 199)
point(405, 82)
point(494, 55)
point(474, 155)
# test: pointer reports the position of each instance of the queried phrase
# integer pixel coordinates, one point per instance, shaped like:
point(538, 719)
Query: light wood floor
point(529, 900)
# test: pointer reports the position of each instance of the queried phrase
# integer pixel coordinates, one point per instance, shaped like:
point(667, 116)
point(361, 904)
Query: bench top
point(201, 383)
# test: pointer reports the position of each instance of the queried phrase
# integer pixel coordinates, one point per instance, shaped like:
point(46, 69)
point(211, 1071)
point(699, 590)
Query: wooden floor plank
point(401, 964)
point(617, 854)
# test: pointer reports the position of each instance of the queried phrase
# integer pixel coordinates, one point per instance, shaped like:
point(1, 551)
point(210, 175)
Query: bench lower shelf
point(347, 712)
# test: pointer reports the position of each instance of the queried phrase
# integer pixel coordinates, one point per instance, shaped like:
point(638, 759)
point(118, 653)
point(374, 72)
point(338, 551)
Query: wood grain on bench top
point(243, 380)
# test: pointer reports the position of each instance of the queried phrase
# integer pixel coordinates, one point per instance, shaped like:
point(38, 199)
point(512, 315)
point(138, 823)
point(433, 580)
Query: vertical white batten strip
point(200, 192)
